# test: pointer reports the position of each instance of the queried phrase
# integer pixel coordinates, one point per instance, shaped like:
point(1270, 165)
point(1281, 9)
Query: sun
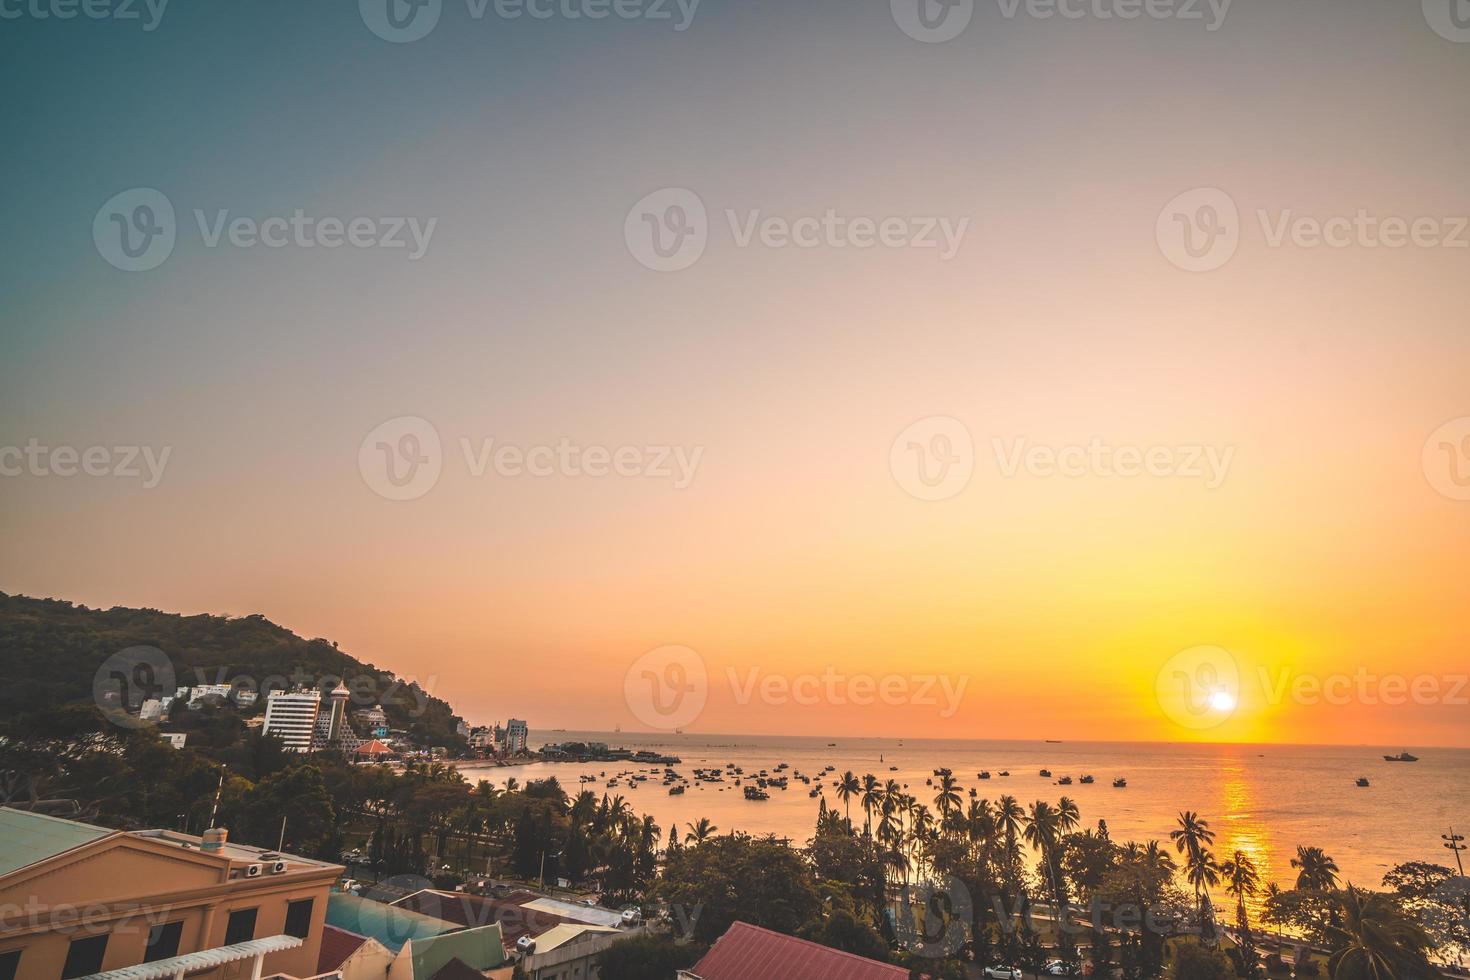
point(1222, 701)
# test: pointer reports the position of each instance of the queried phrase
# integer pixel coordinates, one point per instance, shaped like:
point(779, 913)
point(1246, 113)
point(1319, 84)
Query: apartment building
point(292, 717)
point(83, 900)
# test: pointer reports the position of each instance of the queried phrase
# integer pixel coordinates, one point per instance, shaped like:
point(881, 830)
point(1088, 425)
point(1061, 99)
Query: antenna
point(214, 814)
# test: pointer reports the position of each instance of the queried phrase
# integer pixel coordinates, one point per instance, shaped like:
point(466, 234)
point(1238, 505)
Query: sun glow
point(1222, 701)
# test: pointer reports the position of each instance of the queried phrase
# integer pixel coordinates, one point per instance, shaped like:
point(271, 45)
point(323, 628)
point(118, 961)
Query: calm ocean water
point(1262, 799)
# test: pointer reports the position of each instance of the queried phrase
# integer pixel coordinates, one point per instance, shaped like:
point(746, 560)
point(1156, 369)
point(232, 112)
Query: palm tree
point(848, 787)
point(948, 797)
point(1009, 817)
point(1068, 816)
point(1043, 831)
point(871, 801)
point(1193, 834)
point(1241, 880)
point(700, 832)
point(1375, 940)
point(1316, 872)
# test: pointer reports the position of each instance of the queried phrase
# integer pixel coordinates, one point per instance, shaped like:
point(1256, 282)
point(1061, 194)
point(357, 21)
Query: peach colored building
point(77, 900)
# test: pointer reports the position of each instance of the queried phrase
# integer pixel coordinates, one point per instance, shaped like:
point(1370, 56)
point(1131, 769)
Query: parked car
point(1058, 968)
point(1003, 973)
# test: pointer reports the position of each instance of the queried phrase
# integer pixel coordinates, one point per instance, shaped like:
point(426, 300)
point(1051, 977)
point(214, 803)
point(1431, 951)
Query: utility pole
point(1455, 842)
point(281, 844)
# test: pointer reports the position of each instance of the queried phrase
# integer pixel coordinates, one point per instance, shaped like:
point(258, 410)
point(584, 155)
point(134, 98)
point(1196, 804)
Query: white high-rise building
point(517, 733)
point(292, 717)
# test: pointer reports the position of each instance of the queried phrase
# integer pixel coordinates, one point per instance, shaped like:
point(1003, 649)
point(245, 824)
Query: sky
point(762, 367)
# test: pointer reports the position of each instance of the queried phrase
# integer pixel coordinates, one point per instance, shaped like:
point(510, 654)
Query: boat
point(983, 775)
point(893, 768)
point(1086, 780)
point(1005, 772)
point(1045, 774)
point(676, 790)
point(756, 793)
point(1065, 781)
point(1401, 757)
point(1120, 783)
point(1362, 780)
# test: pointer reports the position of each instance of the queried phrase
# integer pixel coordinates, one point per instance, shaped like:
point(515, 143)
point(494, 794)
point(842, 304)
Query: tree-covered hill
point(51, 651)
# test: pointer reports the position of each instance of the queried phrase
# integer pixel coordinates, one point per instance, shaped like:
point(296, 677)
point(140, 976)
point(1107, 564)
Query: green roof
point(388, 924)
point(480, 949)
point(26, 838)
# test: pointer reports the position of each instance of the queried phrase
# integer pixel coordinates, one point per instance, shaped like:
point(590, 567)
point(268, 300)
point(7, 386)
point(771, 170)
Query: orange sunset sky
point(1328, 547)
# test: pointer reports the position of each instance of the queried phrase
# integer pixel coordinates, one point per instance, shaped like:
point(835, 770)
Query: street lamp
point(1454, 842)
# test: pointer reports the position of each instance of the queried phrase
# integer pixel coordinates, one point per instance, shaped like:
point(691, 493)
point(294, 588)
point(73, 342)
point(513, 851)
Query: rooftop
point(390, 925)
point(26, 838)
point(747, 952)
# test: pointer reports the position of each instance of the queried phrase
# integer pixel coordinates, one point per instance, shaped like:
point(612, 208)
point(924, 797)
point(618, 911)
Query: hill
point(52, 651)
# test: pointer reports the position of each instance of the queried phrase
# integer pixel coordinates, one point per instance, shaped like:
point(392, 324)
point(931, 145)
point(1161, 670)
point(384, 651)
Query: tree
point(760, 881)
point(1376, 941)
point(1195, 962)
point(646, 957)
point(299, 796)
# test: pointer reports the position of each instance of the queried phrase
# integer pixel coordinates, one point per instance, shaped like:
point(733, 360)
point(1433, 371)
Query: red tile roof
point(337, 945)
point(747, 952)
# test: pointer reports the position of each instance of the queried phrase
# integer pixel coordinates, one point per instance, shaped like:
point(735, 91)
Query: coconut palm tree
point(1009, 816)
point(1316, 872)
point(1241, 880)
point(1193, 834)
point(1375, 940)
point(700, 832)
point(948, 797)
point(848, 787)
point(872, 800)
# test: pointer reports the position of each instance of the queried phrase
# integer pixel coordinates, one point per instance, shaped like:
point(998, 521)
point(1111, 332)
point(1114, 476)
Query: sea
point(1264, 800)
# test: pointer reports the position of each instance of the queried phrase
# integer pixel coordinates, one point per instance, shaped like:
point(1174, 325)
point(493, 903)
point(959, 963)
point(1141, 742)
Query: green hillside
point(52, 651)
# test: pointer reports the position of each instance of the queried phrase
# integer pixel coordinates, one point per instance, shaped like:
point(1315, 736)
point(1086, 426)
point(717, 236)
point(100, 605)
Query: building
point(569, 952)
point(292, 717)
point(154, 709)
point(399, 943)
point(175, 739)
point(86, 899)
point(747, 952)
point(517, 734)
point(373, 721)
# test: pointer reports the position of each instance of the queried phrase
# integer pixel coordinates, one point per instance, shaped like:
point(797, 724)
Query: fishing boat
point(1005, 772)
point(1065, 781)
point(983, 775)
point(1120, 783)
point(1045, 774)
point(756, 793)
point(1086, 780)
point(1401, 757)
point(676, 790)
point(1362, 780)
